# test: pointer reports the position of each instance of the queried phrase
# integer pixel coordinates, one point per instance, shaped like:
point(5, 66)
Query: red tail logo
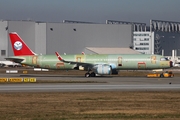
point(19, 46)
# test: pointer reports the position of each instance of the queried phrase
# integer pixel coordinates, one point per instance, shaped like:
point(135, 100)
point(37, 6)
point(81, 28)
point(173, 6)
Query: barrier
point(39, 69)
point(26, 79)
point(11, 71)
point(3, 79)
point(25, 72)
point(15, 79)
point(32, 79)
point(18, 80)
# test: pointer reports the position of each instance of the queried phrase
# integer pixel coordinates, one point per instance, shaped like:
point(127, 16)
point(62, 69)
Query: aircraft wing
point(72, 62)
point(16, 60)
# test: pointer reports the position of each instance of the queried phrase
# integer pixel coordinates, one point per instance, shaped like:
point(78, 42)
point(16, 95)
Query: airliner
point(101, 64)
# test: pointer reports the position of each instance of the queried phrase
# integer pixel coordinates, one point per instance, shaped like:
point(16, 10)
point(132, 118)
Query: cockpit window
point(164, 59)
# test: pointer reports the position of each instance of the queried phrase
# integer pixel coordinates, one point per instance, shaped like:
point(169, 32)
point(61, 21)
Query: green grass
point(90, 105)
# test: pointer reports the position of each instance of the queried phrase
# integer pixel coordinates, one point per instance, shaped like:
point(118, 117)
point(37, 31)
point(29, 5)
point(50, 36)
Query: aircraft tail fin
point(19, 46)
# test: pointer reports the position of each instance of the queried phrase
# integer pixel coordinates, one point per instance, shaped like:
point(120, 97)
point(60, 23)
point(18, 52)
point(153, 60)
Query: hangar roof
point(112, 50)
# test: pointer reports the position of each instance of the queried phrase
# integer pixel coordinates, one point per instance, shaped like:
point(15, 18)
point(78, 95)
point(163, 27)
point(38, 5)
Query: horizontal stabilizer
point(16, 60)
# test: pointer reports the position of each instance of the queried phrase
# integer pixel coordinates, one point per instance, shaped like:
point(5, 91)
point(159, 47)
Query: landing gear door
point(153, 59)
point(141, 65)
point(119, 61)
point(39, 61)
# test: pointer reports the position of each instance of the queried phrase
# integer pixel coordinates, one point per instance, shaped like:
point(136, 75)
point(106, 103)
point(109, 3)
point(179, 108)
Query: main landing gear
point(90, 74)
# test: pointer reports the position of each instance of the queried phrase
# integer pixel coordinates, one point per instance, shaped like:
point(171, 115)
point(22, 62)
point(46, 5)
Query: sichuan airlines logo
point(18, 45)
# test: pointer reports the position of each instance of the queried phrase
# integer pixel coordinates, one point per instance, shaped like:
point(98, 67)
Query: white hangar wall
point(3, 39)
point(74, 38)
point(40, 38)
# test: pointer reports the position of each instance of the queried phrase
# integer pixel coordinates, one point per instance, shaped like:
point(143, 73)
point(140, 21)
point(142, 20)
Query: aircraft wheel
point(93, 74)
point(172, 75)
point(87, 75)
point(161, 75)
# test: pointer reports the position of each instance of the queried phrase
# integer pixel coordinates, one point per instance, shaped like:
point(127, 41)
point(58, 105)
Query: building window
point(146, 34)
point(146, 39)
point(3, 52)
point(143, 48)
point(144, 43)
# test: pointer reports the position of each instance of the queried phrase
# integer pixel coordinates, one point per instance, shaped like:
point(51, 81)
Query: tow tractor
point(165, 74)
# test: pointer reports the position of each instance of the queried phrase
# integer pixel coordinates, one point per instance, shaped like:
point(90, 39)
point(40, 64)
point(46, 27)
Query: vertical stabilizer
point(19, 46)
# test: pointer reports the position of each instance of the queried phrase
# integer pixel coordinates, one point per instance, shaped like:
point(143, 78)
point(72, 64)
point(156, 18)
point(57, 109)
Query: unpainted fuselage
point(116, 61)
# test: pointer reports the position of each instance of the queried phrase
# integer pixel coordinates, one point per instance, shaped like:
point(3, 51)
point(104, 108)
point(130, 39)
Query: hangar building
point(161, 37)
point(69, 37)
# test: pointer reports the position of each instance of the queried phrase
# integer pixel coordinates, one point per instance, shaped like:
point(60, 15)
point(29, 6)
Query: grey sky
point(90, 10)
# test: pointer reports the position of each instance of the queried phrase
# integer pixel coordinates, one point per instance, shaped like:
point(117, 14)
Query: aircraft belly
point(136, 66)
point(142, 65)
point(63, 66)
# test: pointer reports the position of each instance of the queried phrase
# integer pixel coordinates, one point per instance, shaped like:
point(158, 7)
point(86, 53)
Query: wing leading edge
point(72, 62)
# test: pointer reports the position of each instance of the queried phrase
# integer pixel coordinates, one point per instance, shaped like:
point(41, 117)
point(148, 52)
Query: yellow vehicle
point(166, 74)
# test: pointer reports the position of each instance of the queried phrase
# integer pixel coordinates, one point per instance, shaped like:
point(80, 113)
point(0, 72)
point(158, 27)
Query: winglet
point(59, 57)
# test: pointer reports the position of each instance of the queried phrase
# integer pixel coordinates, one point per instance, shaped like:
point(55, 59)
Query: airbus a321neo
point(102, 64)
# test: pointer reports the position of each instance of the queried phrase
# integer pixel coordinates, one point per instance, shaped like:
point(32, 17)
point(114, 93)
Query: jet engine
point(102, 69)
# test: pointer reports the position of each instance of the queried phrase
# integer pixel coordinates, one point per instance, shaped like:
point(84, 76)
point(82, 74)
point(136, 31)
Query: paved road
point(83, 87)
point(105, 83)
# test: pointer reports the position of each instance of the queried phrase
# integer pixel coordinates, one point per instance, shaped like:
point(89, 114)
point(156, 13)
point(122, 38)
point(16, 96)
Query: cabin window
point(3, 52)
point(164, 59)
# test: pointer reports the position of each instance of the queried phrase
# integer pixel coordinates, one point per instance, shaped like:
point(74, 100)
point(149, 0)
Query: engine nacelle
point(103, 69)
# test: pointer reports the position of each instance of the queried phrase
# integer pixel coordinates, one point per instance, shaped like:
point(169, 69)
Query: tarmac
point(69, 83)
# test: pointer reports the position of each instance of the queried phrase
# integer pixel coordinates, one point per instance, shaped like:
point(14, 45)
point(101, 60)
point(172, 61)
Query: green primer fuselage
point(116, 61)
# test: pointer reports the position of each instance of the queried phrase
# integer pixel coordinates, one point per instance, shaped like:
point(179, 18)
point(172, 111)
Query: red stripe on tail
point(19, 46)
